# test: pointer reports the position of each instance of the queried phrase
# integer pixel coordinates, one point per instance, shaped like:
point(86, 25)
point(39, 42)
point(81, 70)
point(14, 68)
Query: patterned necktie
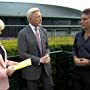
point(38, 39)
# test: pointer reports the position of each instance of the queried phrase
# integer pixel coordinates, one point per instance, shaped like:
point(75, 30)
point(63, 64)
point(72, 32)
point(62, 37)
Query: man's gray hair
point(31, 11)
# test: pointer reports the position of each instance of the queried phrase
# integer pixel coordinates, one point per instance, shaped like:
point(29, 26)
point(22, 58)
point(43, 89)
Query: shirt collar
point(33, 27)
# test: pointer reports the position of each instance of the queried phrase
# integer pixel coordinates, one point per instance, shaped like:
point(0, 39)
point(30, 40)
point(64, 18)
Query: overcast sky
point(77, 4)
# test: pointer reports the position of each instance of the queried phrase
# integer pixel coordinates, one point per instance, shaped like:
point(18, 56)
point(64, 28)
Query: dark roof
point(19, 9)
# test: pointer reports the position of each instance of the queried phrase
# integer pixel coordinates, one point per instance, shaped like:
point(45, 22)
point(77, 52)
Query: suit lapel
point(42, 38)
point(32, 35)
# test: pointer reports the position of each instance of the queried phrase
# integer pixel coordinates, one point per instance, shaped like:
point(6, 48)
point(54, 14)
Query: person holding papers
point(33, 44)
point(5, 65)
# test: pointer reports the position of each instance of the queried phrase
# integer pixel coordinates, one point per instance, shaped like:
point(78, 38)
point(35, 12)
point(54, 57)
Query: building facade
point(58, 20)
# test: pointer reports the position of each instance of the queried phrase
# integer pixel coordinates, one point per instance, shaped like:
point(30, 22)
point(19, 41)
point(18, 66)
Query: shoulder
point(44, 29)
point(79, 34)
point(23, 30)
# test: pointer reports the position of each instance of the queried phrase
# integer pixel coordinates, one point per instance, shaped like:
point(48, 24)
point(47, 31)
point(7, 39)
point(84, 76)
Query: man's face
point(36, 19)
point(85, 21)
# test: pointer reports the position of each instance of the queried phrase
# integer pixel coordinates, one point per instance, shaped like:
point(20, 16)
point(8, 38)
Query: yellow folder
point(23, 64)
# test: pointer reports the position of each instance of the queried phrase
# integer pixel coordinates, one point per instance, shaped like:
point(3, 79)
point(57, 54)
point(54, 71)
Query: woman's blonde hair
point(2, 25)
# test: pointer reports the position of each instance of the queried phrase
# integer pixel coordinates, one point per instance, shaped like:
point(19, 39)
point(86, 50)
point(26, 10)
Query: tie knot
point(35, 28)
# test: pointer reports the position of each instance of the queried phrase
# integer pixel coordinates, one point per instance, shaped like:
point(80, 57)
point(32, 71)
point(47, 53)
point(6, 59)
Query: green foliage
point(55, 43)
point(61, 43)
point(10, 46)
point(63, 40)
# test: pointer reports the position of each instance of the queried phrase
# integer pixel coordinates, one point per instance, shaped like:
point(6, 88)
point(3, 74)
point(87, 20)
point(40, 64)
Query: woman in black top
point(81, 54)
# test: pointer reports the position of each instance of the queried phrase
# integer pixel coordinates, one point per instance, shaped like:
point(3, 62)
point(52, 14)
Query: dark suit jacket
point(28, 48)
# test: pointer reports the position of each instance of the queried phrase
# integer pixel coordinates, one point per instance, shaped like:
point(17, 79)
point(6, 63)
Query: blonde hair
point(31, 11)
point(2, 25)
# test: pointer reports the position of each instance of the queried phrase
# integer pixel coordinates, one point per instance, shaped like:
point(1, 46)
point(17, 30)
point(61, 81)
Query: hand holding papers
point(22, 64)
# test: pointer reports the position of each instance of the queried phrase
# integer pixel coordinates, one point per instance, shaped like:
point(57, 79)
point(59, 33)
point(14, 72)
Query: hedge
point(55, 43)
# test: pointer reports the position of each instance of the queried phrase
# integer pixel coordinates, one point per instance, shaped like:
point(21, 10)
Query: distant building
point(55, 18)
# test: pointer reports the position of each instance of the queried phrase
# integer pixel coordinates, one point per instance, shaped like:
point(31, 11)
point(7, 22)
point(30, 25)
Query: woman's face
point(36, 19)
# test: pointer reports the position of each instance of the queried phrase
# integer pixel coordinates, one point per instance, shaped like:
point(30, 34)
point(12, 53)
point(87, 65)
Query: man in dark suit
point(33, 43)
